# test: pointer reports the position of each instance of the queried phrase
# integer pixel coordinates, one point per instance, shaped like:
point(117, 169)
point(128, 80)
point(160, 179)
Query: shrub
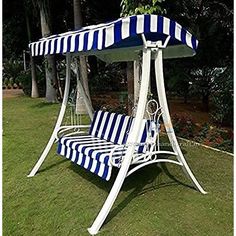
point(215, 137)
point(222, 99)
point(183, 125)
point(212, 136)
point(11, 70)
point(24, 79)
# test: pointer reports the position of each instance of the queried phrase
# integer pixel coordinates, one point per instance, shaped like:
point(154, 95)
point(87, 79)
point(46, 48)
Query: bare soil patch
point(12, 93)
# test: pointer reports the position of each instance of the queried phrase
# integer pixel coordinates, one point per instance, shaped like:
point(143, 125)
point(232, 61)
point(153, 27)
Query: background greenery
point(207, 77)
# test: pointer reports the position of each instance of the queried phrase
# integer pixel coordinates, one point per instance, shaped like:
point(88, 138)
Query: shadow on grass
point(141, 182)
point(142, 177)
point(92, 178)
point(52, 166)
point(166, 171)
point(43, 104)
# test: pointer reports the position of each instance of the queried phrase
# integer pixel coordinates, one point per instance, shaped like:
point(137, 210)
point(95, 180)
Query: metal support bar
point(152, 162)
point(136, 80)
point(149, 156)
point(59, 120)
point(166, 117)
point(132, 138)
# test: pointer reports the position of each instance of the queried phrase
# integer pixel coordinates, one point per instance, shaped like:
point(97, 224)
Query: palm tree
point(78, 23)
point(50, 65)
point(34, 88)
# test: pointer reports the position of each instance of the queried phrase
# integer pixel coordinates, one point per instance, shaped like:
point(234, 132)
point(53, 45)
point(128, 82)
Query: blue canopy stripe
point(124, 32)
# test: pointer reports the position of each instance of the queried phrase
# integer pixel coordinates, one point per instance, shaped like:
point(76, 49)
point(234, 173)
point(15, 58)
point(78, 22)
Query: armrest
point(113, 159)
point(64, 130)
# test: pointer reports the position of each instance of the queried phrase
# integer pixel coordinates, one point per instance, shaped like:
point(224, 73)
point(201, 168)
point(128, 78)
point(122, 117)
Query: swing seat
point(105, 145)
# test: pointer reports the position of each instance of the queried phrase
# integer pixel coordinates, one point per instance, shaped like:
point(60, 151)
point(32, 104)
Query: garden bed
point(189, 120)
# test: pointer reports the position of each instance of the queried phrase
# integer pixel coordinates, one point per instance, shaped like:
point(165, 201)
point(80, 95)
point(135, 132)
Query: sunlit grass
point(63, 199)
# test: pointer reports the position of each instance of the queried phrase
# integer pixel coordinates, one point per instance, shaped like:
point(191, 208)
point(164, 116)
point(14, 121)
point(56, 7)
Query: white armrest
point(66, 128)
point(112, 159)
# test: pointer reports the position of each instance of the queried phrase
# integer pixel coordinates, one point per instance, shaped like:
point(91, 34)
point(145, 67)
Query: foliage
point(108, 78)
point(183, 125)
point(134, 7)
point(24, 78)
point(215, 137)
point(11, 69)
point(206, 134)
point(95, 12)
point(179, 80)
point(204, 81)
point(120, 108)
point(212, 23)
point(222, 99)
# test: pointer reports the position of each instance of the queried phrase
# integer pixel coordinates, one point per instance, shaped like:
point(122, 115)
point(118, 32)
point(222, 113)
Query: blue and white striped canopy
point(122, 36)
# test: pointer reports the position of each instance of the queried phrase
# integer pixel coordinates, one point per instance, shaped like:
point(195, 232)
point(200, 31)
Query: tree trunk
point(82, 59)
point(34, 88)
point(77, 14)
point(50, 65)
point(51, 79)
point(84, 73)
point(136, 81)
point(130, 84)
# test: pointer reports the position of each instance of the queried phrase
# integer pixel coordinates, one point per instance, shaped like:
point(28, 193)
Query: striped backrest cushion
point(115, 128)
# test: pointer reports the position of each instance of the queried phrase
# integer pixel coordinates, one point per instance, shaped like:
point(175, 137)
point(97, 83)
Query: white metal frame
point(156, 48)
point(149, 49)
point(166, 117)
point(58, 128)
point(59, 120)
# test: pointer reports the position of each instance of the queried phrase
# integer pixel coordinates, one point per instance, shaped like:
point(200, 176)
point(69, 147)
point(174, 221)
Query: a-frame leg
point(132, 139)
point(59, 120)
point(167, 121)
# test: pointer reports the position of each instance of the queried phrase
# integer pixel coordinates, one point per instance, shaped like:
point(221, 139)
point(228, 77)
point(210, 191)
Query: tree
point(14, 30)
point(132, 7)
point(179, 80)
point(34, 88)
point(212, 23)
point(50, 65)
point(222, 98)
point(78, 23)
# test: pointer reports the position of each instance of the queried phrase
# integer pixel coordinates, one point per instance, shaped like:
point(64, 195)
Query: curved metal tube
point(59, 120)
point(132, 138)
point(152, 162)
point(167, 121)
point(151, 154)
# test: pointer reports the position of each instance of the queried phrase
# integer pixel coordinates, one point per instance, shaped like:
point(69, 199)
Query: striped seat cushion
point(94, 166)
point(107, 131)
point(91, 153)
point(115, 128)
point(93, 147)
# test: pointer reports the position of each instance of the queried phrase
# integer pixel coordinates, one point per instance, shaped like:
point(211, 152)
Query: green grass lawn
point(63, 199)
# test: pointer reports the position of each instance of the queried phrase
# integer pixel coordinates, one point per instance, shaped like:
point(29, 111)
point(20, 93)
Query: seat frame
point(149, 154)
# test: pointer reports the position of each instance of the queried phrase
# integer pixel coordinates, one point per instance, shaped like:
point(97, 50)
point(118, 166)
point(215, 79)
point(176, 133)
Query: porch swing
point(115, 140)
